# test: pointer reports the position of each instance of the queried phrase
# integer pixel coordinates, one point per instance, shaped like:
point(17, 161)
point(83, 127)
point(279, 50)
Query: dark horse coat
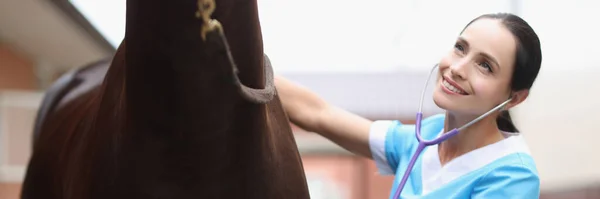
point(167, 117)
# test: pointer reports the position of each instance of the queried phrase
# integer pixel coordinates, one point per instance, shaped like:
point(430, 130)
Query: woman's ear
point(517, 98)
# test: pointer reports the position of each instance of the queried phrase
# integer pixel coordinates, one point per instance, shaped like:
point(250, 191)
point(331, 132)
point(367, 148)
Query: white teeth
point(452, 88)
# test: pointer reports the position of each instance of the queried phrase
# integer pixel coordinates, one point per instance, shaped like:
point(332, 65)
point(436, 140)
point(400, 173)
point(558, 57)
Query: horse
point(185, 108)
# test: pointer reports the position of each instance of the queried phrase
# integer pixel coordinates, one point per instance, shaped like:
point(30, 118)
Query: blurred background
point(381, 49)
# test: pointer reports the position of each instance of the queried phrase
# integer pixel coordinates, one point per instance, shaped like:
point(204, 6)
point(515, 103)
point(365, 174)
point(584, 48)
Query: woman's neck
point(478, 135)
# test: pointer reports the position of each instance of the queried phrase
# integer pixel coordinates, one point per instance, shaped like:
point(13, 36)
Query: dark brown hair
point(528, 59)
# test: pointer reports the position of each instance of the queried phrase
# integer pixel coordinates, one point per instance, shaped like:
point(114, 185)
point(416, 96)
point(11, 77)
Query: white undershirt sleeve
point(377, 135)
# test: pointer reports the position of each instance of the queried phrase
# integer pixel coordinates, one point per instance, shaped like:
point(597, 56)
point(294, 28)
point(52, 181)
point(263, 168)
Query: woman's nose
point(459, 68)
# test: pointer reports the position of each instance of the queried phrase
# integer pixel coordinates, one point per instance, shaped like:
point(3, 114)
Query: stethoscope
point(424, 143)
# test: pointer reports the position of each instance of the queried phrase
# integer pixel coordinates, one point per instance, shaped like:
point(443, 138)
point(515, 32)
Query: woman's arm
point(312, 113)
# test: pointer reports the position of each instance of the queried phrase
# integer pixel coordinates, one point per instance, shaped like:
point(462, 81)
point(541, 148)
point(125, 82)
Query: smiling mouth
point(452, 88)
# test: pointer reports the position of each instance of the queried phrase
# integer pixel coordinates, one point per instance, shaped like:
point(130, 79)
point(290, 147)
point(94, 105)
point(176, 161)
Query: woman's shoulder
point(513, 176)
point(515, 163)
point(511, 155)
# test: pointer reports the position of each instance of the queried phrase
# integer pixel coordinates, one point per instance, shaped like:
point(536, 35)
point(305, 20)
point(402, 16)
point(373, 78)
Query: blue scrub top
point(504, 169)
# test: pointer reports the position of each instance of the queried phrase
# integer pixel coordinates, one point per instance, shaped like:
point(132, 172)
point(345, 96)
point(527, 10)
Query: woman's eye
point(459, 47)
point(486, 66)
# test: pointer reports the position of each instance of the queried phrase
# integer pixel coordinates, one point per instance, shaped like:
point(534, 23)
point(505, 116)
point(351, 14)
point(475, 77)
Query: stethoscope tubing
point(424, 143)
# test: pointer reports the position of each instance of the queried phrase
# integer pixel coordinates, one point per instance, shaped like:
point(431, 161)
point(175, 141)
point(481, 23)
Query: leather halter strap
point(211, 27)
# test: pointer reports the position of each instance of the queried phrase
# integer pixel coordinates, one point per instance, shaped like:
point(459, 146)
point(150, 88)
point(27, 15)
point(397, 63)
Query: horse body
point(168, 121)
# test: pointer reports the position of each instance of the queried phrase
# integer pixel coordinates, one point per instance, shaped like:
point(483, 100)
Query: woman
point(496, 57)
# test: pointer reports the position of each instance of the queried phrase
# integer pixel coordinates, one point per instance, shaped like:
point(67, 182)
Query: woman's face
point(475, 75)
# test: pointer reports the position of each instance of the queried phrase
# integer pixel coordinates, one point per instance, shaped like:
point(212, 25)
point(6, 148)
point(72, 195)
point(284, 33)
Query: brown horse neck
point(173, 73)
